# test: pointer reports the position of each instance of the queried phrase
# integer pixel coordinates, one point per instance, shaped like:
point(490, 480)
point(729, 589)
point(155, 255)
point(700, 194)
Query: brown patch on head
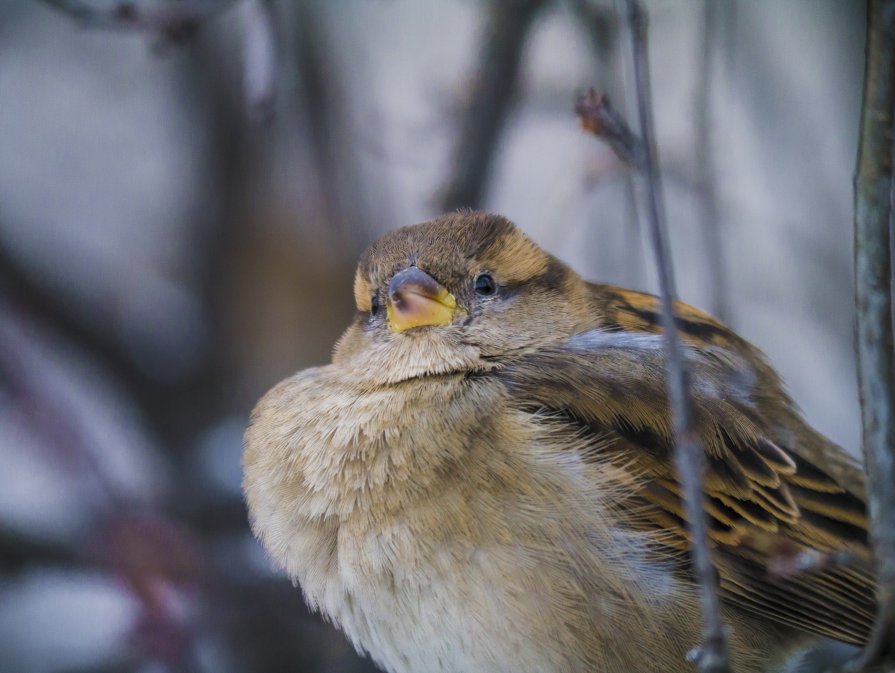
point(515, 257)
point(452, 248)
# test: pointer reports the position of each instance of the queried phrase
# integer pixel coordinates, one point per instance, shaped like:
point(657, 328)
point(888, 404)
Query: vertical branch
point(709, 215)
point(873, 298)
point(600, 25)
point(713, 657)
point(260, 58)
point(509, 23)
point(321, 95)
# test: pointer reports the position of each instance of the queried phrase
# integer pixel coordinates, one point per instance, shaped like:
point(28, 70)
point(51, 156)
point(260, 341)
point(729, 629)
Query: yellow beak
point(415, 299)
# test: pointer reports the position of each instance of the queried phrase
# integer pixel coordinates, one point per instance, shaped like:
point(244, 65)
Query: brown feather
point(614, 384)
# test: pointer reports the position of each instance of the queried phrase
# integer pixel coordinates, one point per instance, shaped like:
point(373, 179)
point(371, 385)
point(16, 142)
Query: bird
point(482, 479)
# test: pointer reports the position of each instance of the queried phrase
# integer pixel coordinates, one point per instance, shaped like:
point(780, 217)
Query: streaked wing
point(766, 502)
point(622, 310)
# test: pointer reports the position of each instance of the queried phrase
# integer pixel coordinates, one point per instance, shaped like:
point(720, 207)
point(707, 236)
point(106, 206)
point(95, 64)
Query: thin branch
point(873, 298)
point(20, 286)
point(508, 26)
point(19, 550)
point(600, 25)
point(713, 656)
point(175, 21)
point(709, 213)
point(597, 116)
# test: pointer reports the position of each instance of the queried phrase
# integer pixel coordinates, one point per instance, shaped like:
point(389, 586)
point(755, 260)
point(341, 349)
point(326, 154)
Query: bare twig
point(175, 21)
point(713, 656)
point(600, 24)
point(873, 298)
point(506, 33)
point(597, 116)
point(709, 213)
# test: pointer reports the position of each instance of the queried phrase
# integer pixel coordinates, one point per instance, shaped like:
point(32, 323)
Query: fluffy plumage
point(498, 493)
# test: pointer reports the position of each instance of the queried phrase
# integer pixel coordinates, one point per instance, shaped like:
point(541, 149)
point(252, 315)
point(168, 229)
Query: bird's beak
point(415, 299)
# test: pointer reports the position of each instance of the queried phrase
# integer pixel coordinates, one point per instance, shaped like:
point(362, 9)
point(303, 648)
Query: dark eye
point(374, 304)
point(485, 285)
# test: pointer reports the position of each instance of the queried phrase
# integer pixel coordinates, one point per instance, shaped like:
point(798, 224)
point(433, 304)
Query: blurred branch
point(713, 656)
point(321, 103)
point(174, 21)
point(506, 32)
point(600, 25)
point(260, 58)
point(597, 116)
point(19, 550)
point(709, 213)
point(873, 298)
point(178, 22)
point(338, 184)
point(39, 302)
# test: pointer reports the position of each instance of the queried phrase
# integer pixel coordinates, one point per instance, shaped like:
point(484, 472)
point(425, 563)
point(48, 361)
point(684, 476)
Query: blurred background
point(185, 186)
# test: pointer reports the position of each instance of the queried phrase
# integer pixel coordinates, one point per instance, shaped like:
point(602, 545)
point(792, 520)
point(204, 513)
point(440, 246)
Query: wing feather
point(764, 496)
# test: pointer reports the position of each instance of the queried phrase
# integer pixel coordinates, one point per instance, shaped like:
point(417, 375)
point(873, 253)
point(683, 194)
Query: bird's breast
point(445, 530)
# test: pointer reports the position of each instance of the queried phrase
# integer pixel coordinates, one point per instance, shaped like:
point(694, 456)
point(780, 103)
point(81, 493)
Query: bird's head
point(457, 294)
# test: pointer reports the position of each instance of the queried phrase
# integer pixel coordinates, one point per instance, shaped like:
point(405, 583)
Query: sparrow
point(482, 479)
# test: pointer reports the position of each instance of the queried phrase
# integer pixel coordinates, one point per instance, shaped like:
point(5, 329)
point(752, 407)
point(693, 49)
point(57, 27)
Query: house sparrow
point(482, 479)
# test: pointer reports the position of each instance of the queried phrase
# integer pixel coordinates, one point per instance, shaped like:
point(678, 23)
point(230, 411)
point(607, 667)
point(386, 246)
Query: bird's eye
point(485, 285)
point(374, 304)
